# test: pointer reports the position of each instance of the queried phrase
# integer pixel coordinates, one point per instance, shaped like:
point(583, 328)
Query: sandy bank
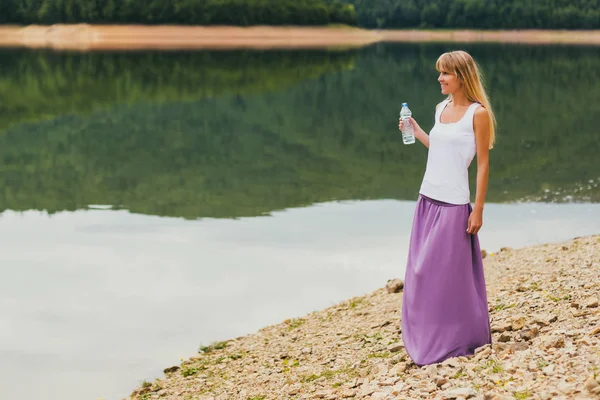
point(98, 37)
point(516, 36)
point(545, 315)
point(129, 37)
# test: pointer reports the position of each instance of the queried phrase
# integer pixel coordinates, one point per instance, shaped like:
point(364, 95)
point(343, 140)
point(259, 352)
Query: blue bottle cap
point(404, 104)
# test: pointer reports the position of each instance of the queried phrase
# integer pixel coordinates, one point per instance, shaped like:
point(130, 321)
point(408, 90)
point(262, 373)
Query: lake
point(153, 202)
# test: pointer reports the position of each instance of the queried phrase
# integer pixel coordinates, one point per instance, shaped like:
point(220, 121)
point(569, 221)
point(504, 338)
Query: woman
point(444, 308)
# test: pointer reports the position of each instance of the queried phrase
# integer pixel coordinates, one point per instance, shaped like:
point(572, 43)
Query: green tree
point(432, 16)
point(481, 14)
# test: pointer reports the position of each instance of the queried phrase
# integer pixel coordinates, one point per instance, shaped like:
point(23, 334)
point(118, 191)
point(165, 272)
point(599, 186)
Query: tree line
point(478, 14)
point(188, 12)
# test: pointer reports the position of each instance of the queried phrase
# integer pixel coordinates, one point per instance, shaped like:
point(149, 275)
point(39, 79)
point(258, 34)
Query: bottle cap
point(404, 104)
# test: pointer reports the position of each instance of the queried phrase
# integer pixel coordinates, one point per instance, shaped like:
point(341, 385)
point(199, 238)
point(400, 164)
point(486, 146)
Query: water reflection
point(230, 134)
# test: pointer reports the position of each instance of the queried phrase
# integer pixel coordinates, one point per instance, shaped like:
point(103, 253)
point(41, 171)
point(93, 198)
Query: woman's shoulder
point(481, 116)
point(481, 111)
point(440, 103)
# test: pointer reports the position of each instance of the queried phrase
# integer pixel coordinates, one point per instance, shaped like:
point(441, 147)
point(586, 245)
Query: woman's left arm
point(481, 126)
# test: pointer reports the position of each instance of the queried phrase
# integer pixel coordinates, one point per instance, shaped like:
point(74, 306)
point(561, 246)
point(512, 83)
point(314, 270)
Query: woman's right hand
point(412, 120)
point(420, 134)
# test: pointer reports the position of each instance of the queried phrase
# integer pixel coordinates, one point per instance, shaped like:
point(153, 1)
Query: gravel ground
point(545, 316)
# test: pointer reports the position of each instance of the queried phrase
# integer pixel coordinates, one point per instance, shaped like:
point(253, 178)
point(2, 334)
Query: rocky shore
point(545, 316)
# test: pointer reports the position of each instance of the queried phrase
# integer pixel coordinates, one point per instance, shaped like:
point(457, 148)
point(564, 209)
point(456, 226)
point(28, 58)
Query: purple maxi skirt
point(444, 304)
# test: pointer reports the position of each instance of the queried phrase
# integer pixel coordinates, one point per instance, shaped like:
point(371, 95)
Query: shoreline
point(529, 36)
point(545, 318)
point(165, 37)
point(85, 37)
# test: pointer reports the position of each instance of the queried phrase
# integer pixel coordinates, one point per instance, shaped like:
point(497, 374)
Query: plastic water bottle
point(408, 130)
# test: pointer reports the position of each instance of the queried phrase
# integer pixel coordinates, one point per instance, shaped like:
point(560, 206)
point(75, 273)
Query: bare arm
point(420, 134)
point(481, 126)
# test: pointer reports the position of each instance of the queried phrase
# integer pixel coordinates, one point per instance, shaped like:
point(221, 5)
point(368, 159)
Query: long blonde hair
point(461, 64)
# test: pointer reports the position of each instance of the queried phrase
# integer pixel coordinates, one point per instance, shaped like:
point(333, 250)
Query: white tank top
point(451, 150)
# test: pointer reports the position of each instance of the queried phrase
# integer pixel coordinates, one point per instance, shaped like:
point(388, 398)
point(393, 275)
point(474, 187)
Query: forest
point(184, 12)
point(396, 14)
point(478, 14)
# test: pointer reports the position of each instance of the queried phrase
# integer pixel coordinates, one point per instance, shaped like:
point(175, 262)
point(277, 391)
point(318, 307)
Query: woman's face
point(449, 83)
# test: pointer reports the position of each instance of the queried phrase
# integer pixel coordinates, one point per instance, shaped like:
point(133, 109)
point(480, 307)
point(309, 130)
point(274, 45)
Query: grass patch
point(328, 317)
point(502, 306)
point(212, 347)
point(355, 302)
point(558, 299)
point(329, 374)
point(459, 374)
point(189, 370)
point(496, 367)
point(310, 378)
point(383, 354)
point(492, 364)
point(294, 323)
point(291, 363)
point(541, 363)
point(376, 337)
point(400, 359)
point(257, 398)
point(235, 356)
point(522, 395)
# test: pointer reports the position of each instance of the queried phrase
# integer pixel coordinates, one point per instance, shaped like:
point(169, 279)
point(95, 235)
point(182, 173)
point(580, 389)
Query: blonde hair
point(461, 64)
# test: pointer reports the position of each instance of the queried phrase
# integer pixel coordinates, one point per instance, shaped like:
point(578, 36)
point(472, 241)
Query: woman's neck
point(460, 99)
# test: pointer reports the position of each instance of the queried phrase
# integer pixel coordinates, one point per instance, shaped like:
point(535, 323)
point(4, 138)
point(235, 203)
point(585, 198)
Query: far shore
point(167, 37)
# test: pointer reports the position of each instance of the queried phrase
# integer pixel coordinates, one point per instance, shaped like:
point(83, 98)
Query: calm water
point(154, 202)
